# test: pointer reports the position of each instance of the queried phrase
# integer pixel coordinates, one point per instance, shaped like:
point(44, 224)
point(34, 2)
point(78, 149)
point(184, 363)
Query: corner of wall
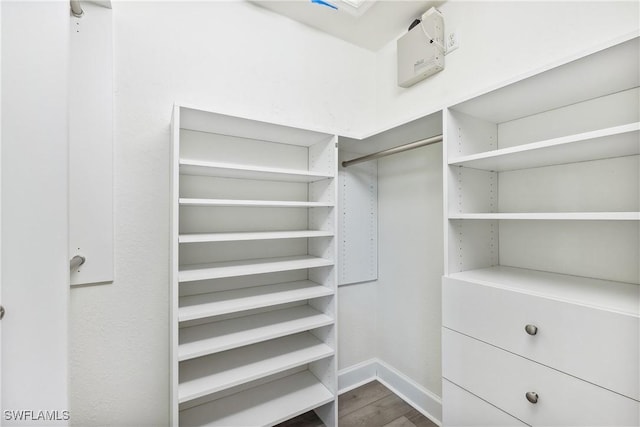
point(423, 400)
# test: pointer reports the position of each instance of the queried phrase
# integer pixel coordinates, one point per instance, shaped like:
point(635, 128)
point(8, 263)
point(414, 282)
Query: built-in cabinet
point(541, 301)
point(541, 286)
point(253, 289)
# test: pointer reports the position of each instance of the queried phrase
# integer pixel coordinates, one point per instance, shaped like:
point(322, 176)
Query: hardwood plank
point(376, 414)
point(400, 422)
point(308, 419)
point(360, 397)
point(419, 420)
point(371, 405)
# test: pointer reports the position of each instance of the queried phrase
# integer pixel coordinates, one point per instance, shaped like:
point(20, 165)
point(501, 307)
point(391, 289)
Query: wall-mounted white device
point(421, 50)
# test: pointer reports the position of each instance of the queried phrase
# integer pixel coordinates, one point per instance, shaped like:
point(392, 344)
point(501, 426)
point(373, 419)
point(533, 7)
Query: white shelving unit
point(542, 210)
point(254, 274)
point(569, 159)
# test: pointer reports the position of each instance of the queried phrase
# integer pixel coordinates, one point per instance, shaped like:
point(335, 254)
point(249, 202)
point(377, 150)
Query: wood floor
point(372, 405)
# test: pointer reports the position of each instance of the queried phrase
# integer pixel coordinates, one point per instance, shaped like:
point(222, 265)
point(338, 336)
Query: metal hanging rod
point(394, 150)
point(76, 9)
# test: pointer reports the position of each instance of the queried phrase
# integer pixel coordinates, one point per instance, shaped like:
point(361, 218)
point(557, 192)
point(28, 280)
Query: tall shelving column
point(542, 242)
point(253, 271)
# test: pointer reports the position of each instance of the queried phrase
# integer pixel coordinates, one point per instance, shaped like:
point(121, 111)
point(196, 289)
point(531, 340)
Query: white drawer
point(461, 408)
point(600, 346)
point(503, 379)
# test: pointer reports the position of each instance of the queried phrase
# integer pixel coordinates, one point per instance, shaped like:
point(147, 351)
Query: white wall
point(357, 323)
point(228, 56)
point(410, 263)
point(499, 41)
point(35, 267)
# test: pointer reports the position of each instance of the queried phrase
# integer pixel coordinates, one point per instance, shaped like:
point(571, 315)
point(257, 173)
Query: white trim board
point(421, 399)
point(357, 375)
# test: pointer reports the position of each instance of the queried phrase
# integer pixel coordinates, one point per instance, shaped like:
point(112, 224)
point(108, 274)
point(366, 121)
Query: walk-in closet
point(316, 213)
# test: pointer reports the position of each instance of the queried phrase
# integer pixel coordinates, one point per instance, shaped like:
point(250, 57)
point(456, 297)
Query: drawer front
point(461, 408)
point(599, 346)
point(503, 379)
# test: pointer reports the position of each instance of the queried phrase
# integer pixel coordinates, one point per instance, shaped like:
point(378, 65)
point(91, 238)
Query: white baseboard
point(411, 392)
point(357, 375)
point(424, 401)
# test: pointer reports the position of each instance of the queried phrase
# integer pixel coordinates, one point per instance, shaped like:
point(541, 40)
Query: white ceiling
point(382, 22)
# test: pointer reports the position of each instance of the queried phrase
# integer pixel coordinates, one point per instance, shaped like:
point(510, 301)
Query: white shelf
point(225, 302)
point(585, 216)
point(209, 338)
point(612, 142)
point(207, 375)
point(229, 203)
point(194, 117)
point(615, 296)
point(218, 270)
point(265, 405)
point(230, 170)
point(610, 70)
point(264, 235)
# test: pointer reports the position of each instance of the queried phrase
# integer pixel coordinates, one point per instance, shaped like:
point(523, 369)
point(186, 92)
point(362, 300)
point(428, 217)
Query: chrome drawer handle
point(531, 329)
point(532, 397)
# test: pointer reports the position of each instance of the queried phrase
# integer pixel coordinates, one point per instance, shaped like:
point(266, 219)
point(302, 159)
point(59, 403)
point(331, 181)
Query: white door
point(35, 266)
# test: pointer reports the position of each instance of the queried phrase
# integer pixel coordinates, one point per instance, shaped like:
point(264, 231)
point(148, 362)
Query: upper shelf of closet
point(560, 86)
point(553, 118)
point(552, 216)
point(222, 124)
point(606, 143)
point(270, 152)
